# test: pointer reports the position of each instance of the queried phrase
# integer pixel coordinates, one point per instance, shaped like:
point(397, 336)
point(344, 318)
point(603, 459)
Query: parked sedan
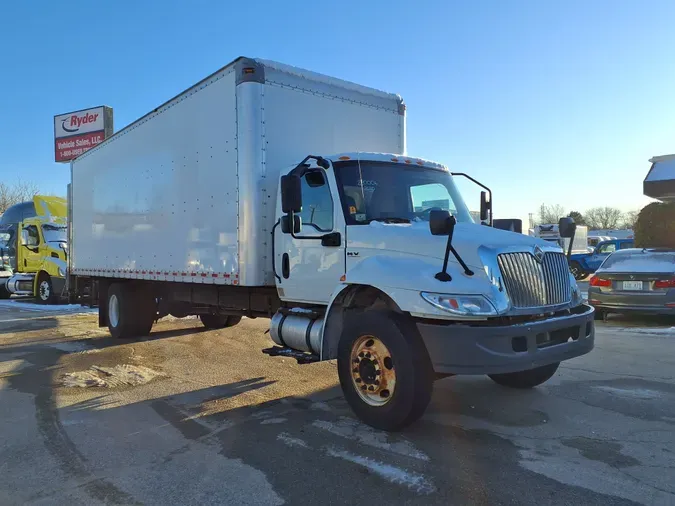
point(635, 280)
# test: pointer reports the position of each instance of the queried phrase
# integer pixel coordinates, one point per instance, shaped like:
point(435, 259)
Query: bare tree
point(18, 192)
point(603, 217)
point(630, 218)
point(551, 213)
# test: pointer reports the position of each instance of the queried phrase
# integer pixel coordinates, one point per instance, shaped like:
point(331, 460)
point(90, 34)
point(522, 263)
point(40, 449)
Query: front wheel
point(44, 290)
point(526, 379)
point(385, 372)
point(577, 271)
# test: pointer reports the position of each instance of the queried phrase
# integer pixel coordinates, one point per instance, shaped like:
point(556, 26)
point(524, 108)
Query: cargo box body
point(188, 192)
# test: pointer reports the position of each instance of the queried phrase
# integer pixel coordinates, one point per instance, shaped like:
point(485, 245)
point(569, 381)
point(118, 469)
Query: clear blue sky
point(557, 102)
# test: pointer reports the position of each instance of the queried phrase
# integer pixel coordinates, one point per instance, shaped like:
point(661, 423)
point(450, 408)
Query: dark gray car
point(635, 280)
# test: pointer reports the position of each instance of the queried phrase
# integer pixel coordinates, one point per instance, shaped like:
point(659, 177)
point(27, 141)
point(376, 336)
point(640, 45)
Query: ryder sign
point(79, 131)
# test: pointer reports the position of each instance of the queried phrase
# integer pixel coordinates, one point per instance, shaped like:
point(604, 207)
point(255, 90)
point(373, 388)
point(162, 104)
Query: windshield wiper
point(390, 220)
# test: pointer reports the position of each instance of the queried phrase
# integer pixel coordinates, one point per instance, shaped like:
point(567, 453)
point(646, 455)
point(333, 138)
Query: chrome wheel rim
point(372, 371)
point(114, 311)
point(44, 290)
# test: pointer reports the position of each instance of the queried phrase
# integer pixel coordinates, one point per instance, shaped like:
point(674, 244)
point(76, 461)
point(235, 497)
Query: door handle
point(285, 266)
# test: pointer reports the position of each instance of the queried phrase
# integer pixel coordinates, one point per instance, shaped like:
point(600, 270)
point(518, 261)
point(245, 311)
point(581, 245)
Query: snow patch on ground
point(667, 331)
point(351, 429)
point(415, 482)
point(30, 306)
point(288, 440)
point(110, 377)
point(73, 347)
point(634, 393)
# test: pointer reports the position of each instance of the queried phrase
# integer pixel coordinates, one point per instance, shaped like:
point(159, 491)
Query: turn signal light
point(665, 283)
point(596, 281)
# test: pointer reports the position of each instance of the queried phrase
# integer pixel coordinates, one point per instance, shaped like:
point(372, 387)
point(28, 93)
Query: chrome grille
point(530, 283)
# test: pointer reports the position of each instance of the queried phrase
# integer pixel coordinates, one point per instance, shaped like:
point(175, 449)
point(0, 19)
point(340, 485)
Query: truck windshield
point(393, 192)
point(54, 233)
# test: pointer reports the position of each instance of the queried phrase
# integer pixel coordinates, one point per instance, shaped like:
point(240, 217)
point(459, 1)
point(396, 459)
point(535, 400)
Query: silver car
point(634, 280)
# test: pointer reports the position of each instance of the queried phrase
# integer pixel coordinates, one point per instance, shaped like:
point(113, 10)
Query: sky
point(556, 102)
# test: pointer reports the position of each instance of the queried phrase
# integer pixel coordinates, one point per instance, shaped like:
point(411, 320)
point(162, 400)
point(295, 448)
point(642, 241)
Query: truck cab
point(583, 264)
point(357, 251)
point(34, 250)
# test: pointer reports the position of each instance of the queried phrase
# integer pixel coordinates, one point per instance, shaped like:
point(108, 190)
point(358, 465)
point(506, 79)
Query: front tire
point(526, 379)
point(385, 371)
point(44, 290)
point(577, 271)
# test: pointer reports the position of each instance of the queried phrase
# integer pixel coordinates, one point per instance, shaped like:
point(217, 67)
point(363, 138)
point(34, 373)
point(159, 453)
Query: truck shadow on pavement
point(208, 435)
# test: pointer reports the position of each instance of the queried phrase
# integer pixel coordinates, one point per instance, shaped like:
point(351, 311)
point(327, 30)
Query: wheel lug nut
point(361, 354)
point(367, 355)
point(377, 373)
point(358, 380)
point(356, 369)
point(363, 387)
point(371, 388)
point(356, 360)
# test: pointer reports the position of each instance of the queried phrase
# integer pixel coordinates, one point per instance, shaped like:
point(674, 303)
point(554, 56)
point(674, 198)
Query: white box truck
point(270, 191)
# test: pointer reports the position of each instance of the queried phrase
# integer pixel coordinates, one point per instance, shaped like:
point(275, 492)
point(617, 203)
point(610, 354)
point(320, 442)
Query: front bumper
point(479, 349)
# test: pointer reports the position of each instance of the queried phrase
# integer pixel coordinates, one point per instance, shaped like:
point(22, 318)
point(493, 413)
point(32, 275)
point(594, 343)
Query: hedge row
point(655, 226)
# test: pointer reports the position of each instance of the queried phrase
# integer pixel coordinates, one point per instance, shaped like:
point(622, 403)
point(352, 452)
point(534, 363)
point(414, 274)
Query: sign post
point(79, 131)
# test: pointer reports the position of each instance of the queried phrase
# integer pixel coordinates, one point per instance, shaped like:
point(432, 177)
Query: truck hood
point(416, 239)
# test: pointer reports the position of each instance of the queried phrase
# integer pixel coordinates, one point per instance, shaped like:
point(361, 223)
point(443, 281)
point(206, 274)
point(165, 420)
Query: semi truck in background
point(269, 191)
point(33, 249)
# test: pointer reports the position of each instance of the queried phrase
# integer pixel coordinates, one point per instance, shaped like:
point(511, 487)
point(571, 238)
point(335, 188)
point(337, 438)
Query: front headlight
point(465, 305)
point(62, 272)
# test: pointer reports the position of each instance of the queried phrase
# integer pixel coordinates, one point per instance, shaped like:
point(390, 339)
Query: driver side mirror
point(291, 194)
point(441, 222)
point(485, 207)
point(567, 227)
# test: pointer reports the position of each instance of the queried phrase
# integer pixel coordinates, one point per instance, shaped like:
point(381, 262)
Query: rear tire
point(44, 290)
point(131, 311)
point(373, 345)
point(146, 312)
point(599, 315)
point(526, 379)
point(121, 321)
point(577, 271)
point(216, 321)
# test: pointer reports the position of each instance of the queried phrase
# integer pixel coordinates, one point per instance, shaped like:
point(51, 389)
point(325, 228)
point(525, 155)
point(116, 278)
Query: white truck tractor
point(270, 191)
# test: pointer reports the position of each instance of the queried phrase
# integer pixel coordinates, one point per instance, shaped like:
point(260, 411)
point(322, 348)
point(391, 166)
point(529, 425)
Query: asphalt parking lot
point(189, 416)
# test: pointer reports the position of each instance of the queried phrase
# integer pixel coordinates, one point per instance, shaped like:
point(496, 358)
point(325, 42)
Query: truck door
point(310, 264)
point(603, 250)
point(29, 257)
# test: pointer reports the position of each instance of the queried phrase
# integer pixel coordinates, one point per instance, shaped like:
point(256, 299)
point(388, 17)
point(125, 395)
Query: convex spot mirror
point(315, 178)
point(441, 222)
point(567, 227)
